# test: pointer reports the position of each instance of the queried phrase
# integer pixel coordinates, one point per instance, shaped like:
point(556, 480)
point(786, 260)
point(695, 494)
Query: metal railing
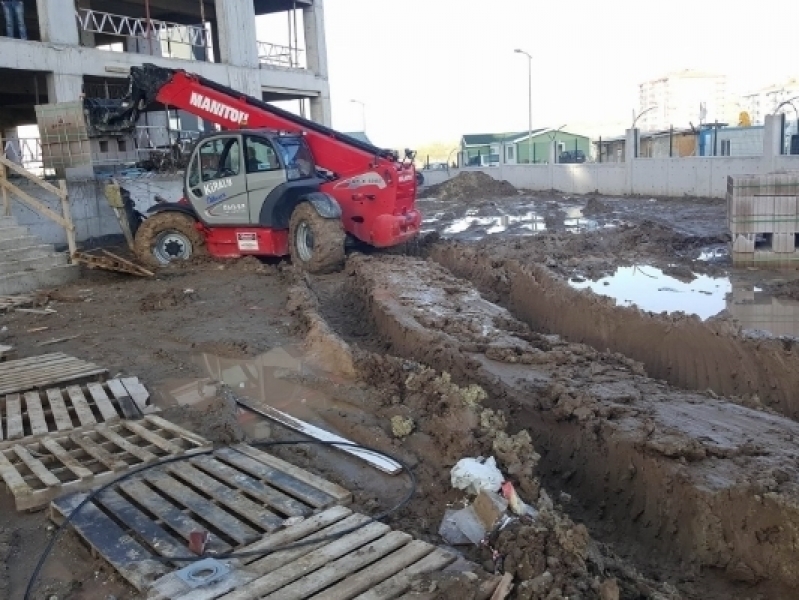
point(187, 38)
point(280, 56)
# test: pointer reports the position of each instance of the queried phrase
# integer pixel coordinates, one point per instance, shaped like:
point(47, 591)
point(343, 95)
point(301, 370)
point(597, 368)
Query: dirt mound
point(169, 298)
point(467, 185)
point(595, 206)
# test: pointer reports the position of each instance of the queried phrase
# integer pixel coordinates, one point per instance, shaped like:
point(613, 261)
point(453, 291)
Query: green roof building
point(514, 148)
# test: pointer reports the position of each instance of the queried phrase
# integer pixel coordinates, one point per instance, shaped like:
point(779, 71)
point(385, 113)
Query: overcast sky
point(431, 70)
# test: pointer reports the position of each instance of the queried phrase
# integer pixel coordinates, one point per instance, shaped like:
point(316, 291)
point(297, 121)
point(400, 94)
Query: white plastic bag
point(475, 474)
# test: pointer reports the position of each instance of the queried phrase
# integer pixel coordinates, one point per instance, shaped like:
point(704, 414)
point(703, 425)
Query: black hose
point(94, 493)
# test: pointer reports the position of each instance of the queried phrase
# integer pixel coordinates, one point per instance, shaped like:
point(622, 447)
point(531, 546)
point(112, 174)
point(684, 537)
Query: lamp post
point(530, 103)
point(635, 120)
point(363, 112)
point(783, 103)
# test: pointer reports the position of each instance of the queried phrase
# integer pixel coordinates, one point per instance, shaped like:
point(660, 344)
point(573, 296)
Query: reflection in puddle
point(652, 290)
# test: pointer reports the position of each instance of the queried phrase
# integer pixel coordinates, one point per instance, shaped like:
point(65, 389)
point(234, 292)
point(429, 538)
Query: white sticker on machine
point(247, 241)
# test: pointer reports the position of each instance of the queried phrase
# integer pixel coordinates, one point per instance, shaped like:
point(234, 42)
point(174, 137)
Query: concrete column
point(316, 57)
point(237, 39)
point(64, 88)
point(57, 22)
point(86, 37)
point(772, 142)
point(320, 108)
point(629, 156)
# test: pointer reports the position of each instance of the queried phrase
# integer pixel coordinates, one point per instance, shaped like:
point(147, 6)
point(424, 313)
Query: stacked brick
point(762, 217)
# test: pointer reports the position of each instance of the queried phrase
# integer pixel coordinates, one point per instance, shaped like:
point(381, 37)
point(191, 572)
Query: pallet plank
point(118, 440)
point(129, 408)
point(36, 466)
point(171, 427)
point(33, 406)
point(152, 437)
point(270, 496)
point(59, 410)
point(338, 569)
point(144, 528)
point(13, 417)
point(102, 401)
point(377, 572)
point(218, 518)
point(276, 478)
point(15, 482)
point(310, 562)
point(401, 582)
point(168, 513)
point(41, 379)
point(81, 406)
point(137, 392)
point(99, 453)
point(107, 538)
point(66, 458)
point(342, 495)
point(234, 500)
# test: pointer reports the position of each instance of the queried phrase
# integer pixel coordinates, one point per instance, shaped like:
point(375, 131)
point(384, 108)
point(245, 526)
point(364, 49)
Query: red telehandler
point(269, 183)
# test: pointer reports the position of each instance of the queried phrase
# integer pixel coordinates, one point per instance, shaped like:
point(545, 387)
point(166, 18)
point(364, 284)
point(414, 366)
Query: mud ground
point(416, 405)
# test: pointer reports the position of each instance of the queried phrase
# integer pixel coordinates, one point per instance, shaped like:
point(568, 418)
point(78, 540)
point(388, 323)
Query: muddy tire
point(316, 244)
point(168, 236)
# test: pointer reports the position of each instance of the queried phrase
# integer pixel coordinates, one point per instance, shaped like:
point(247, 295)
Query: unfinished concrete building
point(86, 48)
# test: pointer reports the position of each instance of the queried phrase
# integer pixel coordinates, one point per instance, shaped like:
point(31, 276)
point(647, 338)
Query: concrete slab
point(36, 263)
point(20, 283)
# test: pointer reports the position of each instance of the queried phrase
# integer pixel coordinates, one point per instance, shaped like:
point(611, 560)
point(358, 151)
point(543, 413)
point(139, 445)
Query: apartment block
point(682, 99)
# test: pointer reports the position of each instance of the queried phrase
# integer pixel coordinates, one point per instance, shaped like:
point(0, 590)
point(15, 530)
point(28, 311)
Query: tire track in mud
point(698, 479)
point(682, 350)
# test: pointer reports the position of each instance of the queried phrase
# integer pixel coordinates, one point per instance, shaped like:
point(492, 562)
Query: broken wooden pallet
point(371, 563)
point(31, 415)
point(47, 369)
point(237, 494)
point(37, 472)
point(111, 262)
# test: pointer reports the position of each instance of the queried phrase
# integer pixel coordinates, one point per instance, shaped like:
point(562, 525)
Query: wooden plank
point(13, 417)
point(378, 572)
point(268, 495)
point(140, 453)
point(81, 406)
point(15, 482)
point(33, 406)
point(108, 539)
point(212, 514)
point(102, 401)
point(504, 587)
point(184, 433)
point(36, 380)
point(37, 468)
point(39, 375)
point(341, 495)
point(152, 437)
point(137, 392)
point(143, 527)
point(276, 478)
point(29, 176)
point(41, 360)
point(32, 202)
point(133, 266)
point(233, 499)
point(338, 569)
point(177, 520)
point(310, 562)
point(171, 586)
point(59, 410)
point(378, 461)
point(129, 408)
point(401, 582)
point(99, 453)
point(66, 458)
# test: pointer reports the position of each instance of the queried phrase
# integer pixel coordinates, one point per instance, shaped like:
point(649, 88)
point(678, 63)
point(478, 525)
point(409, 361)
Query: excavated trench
point(682, 350)
point(696, 479)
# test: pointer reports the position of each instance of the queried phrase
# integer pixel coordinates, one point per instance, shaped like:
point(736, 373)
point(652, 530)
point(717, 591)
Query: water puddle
point(741, 294)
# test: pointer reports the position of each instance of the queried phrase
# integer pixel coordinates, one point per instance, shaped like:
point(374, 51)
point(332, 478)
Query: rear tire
point(166, 237)
point(316, 244)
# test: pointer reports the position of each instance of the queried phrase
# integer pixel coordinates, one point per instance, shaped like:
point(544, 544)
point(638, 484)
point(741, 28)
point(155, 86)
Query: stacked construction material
point(762, 217)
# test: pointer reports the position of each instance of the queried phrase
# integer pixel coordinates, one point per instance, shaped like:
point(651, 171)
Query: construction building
point(84, 49)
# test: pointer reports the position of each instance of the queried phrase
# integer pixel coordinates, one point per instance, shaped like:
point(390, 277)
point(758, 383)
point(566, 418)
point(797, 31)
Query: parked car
point(436, 166)
point(572, 157)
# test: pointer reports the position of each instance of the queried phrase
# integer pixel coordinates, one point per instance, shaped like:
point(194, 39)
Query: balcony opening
point(281, 36)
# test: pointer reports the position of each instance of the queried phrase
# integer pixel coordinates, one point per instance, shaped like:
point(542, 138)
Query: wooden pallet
point(31, 415)
point(237, 494)
point(372, 563)
point(7, 302)
point(37, 472)
point(47, 369)
point(111, 262)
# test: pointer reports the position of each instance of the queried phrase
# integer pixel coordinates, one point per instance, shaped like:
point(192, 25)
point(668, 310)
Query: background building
point(765, 101)
point(519, 148)
point(682, 99)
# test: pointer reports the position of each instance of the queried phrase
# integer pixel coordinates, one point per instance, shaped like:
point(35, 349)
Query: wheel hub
point(172, 245)
point(304, 241)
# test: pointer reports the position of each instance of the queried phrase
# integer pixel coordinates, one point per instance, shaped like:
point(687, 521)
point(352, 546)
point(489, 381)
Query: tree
point(744, 120)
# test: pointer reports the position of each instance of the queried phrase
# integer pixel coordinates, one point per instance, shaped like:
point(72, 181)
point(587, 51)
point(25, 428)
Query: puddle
point(651, 289)
point(740, 294)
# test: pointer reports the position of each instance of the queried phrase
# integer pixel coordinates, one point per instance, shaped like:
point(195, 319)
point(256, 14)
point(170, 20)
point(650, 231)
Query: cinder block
point(783, 243)
point(785, 206)
point(744, 243)
point(764, 206)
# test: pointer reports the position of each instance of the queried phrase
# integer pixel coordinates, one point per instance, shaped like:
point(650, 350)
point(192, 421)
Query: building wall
point(541, 145)
point(743, 141)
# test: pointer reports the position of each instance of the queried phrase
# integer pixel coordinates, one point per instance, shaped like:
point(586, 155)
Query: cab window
point(261, 156)
point(217, 158)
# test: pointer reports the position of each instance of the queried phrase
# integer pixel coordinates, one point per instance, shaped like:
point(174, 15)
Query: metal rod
point(149, 36)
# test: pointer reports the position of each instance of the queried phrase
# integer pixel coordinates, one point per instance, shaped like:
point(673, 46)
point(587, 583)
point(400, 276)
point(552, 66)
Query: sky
point(431, 70)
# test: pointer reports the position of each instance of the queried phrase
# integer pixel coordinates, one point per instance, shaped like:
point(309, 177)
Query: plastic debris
point(475, 474)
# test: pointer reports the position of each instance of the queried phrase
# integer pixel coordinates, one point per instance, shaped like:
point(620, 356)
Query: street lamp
point(635, 120)
point(363, 112)
point(530, 102)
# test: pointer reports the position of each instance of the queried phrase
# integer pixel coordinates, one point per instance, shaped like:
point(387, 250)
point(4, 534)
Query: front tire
point(166, 237)
point(316, 244)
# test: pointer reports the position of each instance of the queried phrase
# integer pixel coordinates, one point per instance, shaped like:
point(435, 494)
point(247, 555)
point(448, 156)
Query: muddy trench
point(692, 479)
point(680, 349)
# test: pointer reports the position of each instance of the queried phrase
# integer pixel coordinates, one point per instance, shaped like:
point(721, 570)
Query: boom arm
point(334, 151)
